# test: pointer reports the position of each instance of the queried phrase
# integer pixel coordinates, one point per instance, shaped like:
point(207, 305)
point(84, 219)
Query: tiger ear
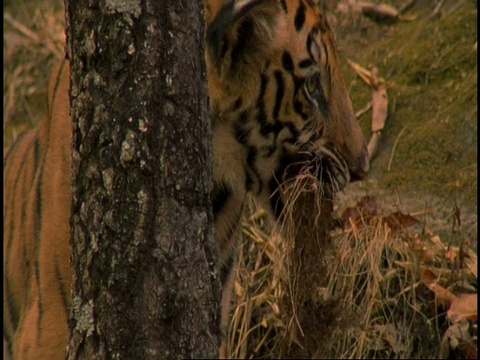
point(240, 34)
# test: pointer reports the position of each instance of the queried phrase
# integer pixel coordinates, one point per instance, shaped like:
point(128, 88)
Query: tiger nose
point(362, 165)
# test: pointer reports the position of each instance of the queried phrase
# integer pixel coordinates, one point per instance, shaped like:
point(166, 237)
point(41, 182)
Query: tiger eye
point(312, 83)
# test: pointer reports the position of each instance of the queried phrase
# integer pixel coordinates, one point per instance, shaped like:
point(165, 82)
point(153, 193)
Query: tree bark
point(144, 257)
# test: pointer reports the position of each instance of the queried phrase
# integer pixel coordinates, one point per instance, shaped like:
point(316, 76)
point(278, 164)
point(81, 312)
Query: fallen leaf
point(443, 297)
point(398, 220)
point(458, 337)
point(463, 307)
point(379, 108)
point(437, 244)
point(428, 256)
point(366, 209)
point(451, 255)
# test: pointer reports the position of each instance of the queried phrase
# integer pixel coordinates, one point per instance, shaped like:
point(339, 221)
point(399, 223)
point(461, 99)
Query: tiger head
point(275, 79)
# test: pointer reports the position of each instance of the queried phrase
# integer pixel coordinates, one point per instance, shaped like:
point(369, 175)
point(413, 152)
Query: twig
point(393, 149)
point(364, 74)
point(362, 111)
point(438, 7)
point(421, 212)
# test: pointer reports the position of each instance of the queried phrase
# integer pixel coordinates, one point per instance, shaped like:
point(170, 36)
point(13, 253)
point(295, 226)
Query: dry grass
point(377, 288)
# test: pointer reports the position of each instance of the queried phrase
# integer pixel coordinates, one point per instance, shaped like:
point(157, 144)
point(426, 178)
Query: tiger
point(277, 98)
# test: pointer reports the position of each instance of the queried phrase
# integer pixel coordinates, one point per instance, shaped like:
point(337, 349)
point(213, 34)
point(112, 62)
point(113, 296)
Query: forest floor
point(427, 156)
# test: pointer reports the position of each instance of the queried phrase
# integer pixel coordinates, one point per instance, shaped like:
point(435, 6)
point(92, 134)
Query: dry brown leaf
point(398, 220)
point(463, 307)
point(379, 108)
point(366, 209)
point(458, 337)
point(437, 244)
point(451, 255)
point(442, 295)
point(428, 256)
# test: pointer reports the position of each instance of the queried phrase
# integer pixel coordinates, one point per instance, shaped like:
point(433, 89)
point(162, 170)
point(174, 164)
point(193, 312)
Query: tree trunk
point(144, 257)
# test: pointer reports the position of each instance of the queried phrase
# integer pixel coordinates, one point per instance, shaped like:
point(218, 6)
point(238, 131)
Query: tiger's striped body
point(277, 97)
point(36, 232)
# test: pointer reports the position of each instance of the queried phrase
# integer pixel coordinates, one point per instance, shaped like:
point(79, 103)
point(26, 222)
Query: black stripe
point(274, 128)
point(300, 17)
point(305, 63)
point(294, 131)
point(221, 194)
point(36, 158)
point(244, 35)
point(62, 286)
point(12, 304)
point(287, 61)
point(248, 181)
point(322, 101)
point(262, 115)
point(298, 107)
point(243, 118)
point(241, 133)
point(251, 163)
point(251, 157)
point(283, 4)
point(238, 104)
point(279, 95)
point(38, 227)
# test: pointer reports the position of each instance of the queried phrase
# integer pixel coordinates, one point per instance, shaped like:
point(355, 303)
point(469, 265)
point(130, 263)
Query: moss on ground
point(430, 65)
